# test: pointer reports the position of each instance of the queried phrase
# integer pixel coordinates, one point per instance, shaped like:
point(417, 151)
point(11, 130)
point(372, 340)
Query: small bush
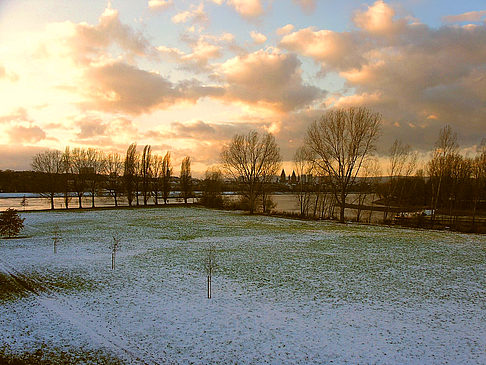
point(10, 223)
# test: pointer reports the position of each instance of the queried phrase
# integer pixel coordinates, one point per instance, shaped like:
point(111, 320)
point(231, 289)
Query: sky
point(185, 76)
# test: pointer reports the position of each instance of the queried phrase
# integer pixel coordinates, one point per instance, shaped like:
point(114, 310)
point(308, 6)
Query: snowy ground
point(285, 292)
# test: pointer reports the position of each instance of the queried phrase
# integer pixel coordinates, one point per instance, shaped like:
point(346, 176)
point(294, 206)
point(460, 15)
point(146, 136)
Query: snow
point(285, 291)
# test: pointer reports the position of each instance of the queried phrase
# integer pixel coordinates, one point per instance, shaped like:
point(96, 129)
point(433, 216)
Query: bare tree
point(402, 162)
point(56, 238)
point(340, 142)
point(479, 178)
point(210, 266)
point(445, 147)
point(79, 173)
point(186, 178)
point(130, 172)
point(114, 248)
point(146, 172)
point(303, 165)
point(114, 168)
point(369, 170)
point(66, 169)
point(253, 158)
point(157, 168)
point(95, 166)
point(50, 163)
point(165, 178)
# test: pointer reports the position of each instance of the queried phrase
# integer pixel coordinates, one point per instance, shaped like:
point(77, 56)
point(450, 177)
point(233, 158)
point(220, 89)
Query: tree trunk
point(342, 207)
point(52, 201)
point(116, 201)
point(209, 286)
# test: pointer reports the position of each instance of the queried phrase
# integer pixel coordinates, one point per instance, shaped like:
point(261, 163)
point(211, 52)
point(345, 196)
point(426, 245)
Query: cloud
point(248, 9)
point(113, 133)
point(307, 5)
point(472, 16)
point(406, 71)
point(379, 19)
point(18, 157)
point(86, 44)
point(90, 128)
point(258, 38)
point(204, 50)
point(195, 14)
point(268, 79)
point(19, 115)
point(120, 87)
point(160, 4)
point(286, 29)
point(21, 134)
point(10, 76)
point(333, 49)
point(208, 131)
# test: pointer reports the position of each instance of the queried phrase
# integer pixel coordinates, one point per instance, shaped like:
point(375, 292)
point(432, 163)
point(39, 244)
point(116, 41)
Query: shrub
point(10, 223)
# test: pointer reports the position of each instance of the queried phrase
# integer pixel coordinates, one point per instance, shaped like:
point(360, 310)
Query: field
point(285, 291)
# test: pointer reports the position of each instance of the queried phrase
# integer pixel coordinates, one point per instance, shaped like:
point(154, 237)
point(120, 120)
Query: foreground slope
point(285, 291)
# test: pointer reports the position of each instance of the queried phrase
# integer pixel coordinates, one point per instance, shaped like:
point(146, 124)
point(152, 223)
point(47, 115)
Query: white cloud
point(258, 38)
point(472, 16)
point(378, 19)
point(267, 79)
point(286, 29)
point(160, 4)
point(195, 14)
point(247, 8)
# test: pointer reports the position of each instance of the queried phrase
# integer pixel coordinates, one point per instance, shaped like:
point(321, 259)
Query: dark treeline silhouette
point(79, 173)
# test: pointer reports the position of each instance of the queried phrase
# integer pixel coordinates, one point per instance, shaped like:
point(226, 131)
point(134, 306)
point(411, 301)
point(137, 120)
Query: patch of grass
point(21, 285)
point(47, 356)
point(9, 288)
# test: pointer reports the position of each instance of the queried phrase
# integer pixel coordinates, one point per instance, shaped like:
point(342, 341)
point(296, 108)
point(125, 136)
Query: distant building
point(283, 177)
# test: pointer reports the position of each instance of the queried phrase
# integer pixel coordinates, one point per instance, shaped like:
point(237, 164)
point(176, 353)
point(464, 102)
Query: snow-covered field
point(285, 291)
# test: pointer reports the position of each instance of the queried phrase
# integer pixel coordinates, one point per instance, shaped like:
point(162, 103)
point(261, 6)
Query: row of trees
point(137, 175)
point(339, 149)
point(336, 146)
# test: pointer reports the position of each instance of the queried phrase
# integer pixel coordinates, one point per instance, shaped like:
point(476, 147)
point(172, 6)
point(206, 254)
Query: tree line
point(138, 176)
point(338, 157)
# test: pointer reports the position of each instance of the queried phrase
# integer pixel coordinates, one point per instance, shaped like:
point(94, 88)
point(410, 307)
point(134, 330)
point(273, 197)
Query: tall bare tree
point(146, 172)
point(402, 162)
point(165, 178)
point(253, 158)
point(157, 168)
point(95, 167)
point(114, 169)
point(303, 166)
point(340, 142)
point(50, 163)
point(479, 178)
point(186, 179)
point(79, 173)
point(66, 169)
point(130, 172)
point(445, 147)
